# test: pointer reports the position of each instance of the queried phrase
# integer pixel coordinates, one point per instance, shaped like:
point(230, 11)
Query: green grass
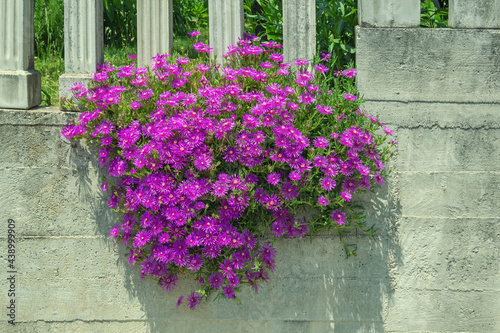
point(51, 66)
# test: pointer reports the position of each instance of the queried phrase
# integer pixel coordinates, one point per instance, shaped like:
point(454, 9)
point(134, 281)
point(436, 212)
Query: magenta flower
point(193, 300)
point(350, 97)
point(301, 62)
point(339, 217)
point(349, 73)
point(323, 201)
point(320, 142)
point(194, 33)
point(135, 105)
point(346, 195)
point(273, 178)
point(295, 175)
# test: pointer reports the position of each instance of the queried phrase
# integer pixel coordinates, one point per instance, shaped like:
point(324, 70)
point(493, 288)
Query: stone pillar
point(154, 29)
point(20, 83)
point(226, 25)
point(299, 29)
point(474, 14)
point(389, 13)
point(83, 42)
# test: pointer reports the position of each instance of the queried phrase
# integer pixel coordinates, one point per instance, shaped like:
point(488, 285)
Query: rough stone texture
point(438, 90)
point(83, 43)
point(389, 13)
point(474, 14)
point(20, 83)
point(154, 29)
point(72, 277)
point(20, 89)
point(438, 65)
point(226, 25)
point(299, 29)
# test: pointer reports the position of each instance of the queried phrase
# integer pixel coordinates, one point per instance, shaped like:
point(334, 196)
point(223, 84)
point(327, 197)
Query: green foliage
point(49, 28)
point(335, 22)
point(120, 22)
point(189, 15)
point(50, 68)
point(265, 19)
point(434, 14)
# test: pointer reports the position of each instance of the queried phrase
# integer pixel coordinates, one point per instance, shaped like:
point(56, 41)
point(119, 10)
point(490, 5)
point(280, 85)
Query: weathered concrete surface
point(438, 90)
point(20, 83)
point(474, 14)
point(155, 33)
point(438, 65)
point(299, 29)
point(389, 13)
point(71, 277)
point(226, 25)
point(83, 43)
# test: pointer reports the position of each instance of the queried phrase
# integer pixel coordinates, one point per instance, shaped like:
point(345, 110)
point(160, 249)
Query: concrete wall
point(434, 266)
point(70, 277)
point(439, 90)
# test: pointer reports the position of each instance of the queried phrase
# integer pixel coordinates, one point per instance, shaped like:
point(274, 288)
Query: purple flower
point(193, 300)
point(339, 217)
point(194, 33)
point(170, 281)
point(295, 175)
point(289, 191)
point(216, 280)
point(320, 142)
point(273, 178)
point(179, 301)
point(226, 268)
point(195, 262)
point(328, 183)
point(350, 97)
point(323, 201)
point(229, 292)
point(135, 105)
point(349, 73)
point(346, 195)
point(324, 56)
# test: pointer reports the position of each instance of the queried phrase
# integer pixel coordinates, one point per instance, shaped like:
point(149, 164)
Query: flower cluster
point(210, 164)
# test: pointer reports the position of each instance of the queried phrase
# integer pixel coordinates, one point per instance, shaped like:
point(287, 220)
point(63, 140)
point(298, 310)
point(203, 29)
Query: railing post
point(389, 13)
point(20, 83)
point(83, 42)
point(226, 25)
point(483, 14)
point(154, 29)
point(299, 29)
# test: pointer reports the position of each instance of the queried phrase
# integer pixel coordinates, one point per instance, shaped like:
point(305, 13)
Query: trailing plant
point(211, 164)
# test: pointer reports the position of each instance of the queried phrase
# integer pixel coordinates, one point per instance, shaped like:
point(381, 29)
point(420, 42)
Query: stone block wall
point(439, 90)
point(434, 266)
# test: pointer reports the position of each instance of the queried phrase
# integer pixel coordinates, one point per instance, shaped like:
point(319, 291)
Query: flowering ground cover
point(210, 164)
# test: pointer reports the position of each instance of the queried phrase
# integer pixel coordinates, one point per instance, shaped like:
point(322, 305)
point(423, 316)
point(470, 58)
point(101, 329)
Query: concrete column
point(299, 29)
point(83, 42)
point(154, 29)
point(474, 14)
point(20, 83)
point(226, 25)
point(389, 13)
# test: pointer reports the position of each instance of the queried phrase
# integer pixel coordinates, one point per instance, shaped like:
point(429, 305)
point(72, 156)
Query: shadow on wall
point(313, 289)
